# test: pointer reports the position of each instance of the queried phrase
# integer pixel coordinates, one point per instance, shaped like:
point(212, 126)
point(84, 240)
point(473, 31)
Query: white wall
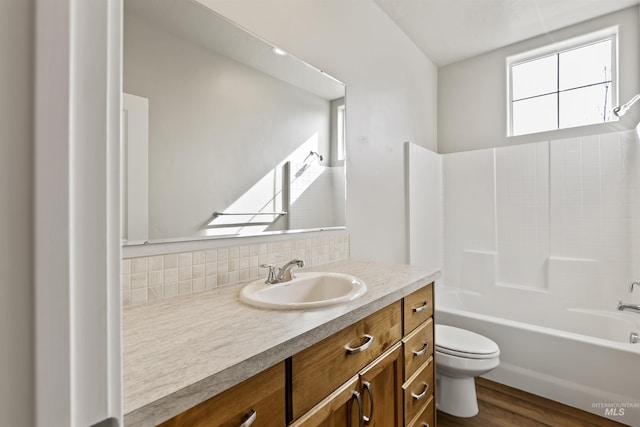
point(16, 207)
point(391, 98)
point(472, 93)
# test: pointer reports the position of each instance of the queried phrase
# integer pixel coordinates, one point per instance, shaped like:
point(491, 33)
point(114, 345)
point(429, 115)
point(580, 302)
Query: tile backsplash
point(150, 278)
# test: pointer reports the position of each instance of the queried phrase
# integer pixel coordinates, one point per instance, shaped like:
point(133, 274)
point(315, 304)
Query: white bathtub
point(582, 358)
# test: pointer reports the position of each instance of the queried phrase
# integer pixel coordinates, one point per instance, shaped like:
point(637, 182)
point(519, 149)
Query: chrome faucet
point(632, 307)
point(284, 274)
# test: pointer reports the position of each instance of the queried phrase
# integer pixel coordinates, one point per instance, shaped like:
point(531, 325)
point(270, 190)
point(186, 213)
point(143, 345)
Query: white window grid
point(558, 48)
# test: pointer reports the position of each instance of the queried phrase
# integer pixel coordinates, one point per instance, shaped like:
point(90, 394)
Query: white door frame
point(77, 243)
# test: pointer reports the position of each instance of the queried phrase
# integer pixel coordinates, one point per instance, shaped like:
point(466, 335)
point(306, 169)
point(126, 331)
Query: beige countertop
point(181, 351)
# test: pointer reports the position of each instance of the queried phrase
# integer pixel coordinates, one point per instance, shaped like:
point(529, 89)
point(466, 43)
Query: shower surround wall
point(558, 218)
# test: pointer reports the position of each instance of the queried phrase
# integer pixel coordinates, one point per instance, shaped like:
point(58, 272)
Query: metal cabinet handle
point(356, 396)
point(418, 353)
point(423, 394)
point(425, 424)
point(250, 418)
point(422, 307)
point(363, 347)
point(367, 387)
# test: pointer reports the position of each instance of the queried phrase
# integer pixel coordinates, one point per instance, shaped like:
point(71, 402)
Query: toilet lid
point(463, 343)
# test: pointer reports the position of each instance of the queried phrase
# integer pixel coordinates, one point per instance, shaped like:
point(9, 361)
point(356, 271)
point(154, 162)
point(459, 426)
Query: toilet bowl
point(461, 356)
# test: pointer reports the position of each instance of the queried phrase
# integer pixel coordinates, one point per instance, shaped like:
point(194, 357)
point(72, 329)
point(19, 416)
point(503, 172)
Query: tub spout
point(632, 307)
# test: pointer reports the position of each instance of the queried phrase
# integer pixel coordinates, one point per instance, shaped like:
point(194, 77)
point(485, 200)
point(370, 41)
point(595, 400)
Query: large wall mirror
point(223, 135)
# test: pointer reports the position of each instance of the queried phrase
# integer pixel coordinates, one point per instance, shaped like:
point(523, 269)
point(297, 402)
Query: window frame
point(557, 48)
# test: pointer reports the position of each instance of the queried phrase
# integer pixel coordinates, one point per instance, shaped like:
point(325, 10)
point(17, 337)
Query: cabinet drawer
point(336, 409)
point(426, 418)
point(418, 347)
point(263, 394)
point(417, 390)
point(418, 307)
point(321, 368)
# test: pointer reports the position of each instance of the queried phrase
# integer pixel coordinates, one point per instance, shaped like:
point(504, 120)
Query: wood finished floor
point(502, 406)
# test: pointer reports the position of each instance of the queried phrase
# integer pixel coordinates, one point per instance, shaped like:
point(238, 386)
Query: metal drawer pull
point(252, 415)
point(422, 307)
point(367, 386)
point(363, 347)
point(423, 394)
point(425, 424)
point(422, 352)
point(356, 396)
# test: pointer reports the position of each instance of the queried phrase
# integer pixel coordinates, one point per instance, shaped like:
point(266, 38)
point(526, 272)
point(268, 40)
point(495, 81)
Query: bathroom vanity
point(208, 359)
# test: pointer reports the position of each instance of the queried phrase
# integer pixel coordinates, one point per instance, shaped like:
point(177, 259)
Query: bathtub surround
point(424, 205)
point(543, 241)
point(150, 278)
point(557, 220)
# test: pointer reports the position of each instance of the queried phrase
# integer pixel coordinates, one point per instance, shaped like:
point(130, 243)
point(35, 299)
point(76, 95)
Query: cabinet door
point(342, 408)
point(258, 401)
point(323, 367)
point(381, 385)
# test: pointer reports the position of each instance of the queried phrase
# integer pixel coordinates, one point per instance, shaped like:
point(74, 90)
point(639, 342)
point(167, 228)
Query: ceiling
point(448, 31)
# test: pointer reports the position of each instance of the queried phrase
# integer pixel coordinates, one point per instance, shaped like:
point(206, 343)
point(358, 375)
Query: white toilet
point(461, 356)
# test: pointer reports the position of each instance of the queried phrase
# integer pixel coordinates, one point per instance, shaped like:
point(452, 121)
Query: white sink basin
point(307, 290)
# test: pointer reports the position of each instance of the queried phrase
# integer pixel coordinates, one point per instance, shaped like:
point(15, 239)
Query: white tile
point(139, 280)
point(139, 265)
point(185, 259)
point(170, 261)
point(211, 256)
point(125, 266)
point(155, 278)
point(199, 257)
point(185, 273)
point(156, 263)
point(170, 276)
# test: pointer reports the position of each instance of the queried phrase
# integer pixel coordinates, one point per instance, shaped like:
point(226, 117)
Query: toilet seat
point(462, 343)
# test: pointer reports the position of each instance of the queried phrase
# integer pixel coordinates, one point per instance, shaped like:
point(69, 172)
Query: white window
point(340, 133)
point(565, 85)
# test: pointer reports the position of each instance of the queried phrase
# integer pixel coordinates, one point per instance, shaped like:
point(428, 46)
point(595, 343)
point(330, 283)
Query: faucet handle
point(271, 274)
point(636, 283)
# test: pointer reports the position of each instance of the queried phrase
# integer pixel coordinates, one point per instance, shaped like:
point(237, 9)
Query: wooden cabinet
point(260, 398)
point(418, 347)
point(396, 389)
point(417, 308)
point(378, 372)
point(323, 367)
point(380, 385)
point(426, 418)
point(342, 408)
point(373, 397)
point(418, 389)
point(419, 363)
